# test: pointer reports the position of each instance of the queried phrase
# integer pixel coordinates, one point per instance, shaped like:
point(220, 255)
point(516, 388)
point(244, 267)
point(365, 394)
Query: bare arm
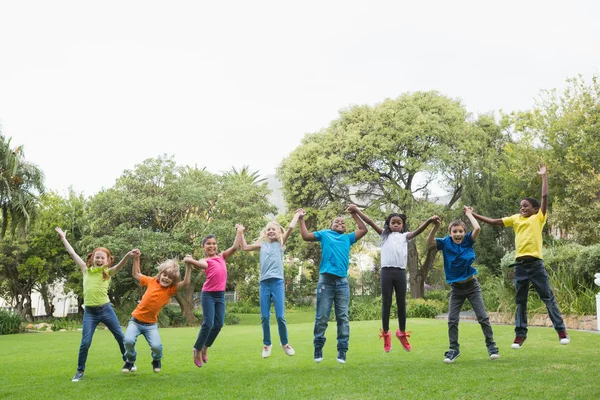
point(476, 228)
point(431, 237)
point(487, 220)
point(290, 228)
point(236, 244)
point(113, 270)
point(544, 175)
point(421, 227)
point(135, 270)
point(187, 278)
point(245, 246)
point(362, 228)
point(306, 235)
point(365, 218)
point(74, 256)
point(198, 263)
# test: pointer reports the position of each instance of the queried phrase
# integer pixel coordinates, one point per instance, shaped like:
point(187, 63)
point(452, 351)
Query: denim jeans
point(213, 318)
point(471, 291)
point(136, 328)
point(331, 290)
point(534, 271)
point(393, 278)
point(273, 289)
point(92, 316)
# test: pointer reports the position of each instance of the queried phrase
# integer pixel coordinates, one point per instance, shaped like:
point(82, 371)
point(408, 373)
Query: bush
point(174, 316)
point(63, 323)
point(364, 308)
point(421, 308)
point(242, 307)
point(369, 308)
point(10, 322)
point(231, 319)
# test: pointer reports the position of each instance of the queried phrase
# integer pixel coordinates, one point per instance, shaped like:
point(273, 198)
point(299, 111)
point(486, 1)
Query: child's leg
point(278, 291)
point(400, 288)
point(91, 319)
point(131, 334)
point(265, 310)
point(152, 336)
point(342, 301)
point(387, 288)
point(457, 298)
point(521, 292)
point(325, 294)
point(109, 318)
point(476, 299)
point(541, 282)
point(219, 318)
point(208, 317)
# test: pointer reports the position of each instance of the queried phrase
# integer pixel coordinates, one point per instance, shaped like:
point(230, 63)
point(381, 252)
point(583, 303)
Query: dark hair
point(457, 222)
point(534, 202)
point(386, 225)
point(209, 236)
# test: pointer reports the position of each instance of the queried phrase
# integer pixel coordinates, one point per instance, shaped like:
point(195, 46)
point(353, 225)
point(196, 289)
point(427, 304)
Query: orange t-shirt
point(155, 298)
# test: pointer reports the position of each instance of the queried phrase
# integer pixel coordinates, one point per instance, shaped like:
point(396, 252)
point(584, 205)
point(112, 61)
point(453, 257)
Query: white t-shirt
point(394, 251)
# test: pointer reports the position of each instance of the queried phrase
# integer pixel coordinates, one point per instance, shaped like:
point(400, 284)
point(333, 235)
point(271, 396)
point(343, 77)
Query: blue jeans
point(332, 289)
point(136, 328)
point(534, 271)
point(213, 318)
point(92, 316)
point(273, 289)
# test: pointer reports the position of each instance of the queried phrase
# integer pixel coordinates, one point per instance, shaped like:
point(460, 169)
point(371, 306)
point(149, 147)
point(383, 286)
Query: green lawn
point(40, 366)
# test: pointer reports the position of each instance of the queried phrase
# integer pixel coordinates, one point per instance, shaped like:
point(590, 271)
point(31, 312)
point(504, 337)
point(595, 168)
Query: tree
point(386, 158)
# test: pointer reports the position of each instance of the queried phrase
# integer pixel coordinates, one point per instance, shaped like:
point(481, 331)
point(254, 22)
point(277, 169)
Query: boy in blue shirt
point(333, 283)
point(459, 255)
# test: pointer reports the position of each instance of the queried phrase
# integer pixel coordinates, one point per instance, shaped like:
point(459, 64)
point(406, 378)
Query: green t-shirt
point(95, 288)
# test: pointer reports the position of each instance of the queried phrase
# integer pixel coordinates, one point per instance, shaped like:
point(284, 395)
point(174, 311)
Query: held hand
point(435, 220)
point(188, 258)
point(467, 210)
point(133, 253)
point(239, 228)
point(352, 208)
point(542, 170)
point(301, 213)
point(61, 233)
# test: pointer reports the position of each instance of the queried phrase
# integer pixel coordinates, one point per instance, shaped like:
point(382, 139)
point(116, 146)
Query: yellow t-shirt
point(528, 233)
point(95, 288)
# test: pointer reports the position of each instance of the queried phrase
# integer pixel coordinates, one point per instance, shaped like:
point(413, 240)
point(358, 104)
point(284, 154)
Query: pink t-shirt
point(216, 274)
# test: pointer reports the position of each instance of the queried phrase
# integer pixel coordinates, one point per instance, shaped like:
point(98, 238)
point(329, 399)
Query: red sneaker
point(518, 343)
point(402, 336)
point(387, 340)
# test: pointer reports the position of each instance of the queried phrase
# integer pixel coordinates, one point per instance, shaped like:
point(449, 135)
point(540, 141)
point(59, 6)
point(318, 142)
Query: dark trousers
point(393, 279)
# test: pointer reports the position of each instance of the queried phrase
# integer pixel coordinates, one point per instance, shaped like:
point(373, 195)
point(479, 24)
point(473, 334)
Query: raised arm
point(290, 228)
point(360, 224)
point(422, 227)
point(74, 256)
point(431, 237)
point(198, 263)
point(186, 279)
point(365, 218)
point(476, 228)
point(544, 175)
point(135, 270)
point(306, 235)
point(487, 220)
point(121, 264)
point(236, 244)
point(245, 247)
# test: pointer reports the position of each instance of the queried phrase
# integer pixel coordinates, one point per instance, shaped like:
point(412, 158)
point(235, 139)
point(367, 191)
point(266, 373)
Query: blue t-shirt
point(271, 260)
point(335, 251)
point(458, 258)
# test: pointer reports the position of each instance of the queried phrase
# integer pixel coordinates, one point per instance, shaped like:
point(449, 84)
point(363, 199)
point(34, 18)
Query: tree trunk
point(185, 300)
point(418, 275)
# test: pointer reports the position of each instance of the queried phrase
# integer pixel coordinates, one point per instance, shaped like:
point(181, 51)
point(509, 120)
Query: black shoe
point(494, 353)
point(78, 376)
point(128, 367)
point(341, 357)
point(451, 355)
point(318, 355)
point(156, 365)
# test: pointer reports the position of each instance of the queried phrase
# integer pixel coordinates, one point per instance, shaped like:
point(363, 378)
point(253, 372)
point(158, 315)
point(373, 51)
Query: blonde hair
point(169, 268)
point(278, 230)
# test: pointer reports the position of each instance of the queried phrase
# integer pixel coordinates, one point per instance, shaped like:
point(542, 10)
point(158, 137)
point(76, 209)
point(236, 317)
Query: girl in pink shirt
point(213, 293)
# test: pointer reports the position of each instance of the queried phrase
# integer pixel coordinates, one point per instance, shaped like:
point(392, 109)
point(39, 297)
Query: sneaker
point(403, 337)
point(341, 357)
point(387, 340)
point(78, 376)
point(197, 361)
point(288, 349)
point(518, 343)
point(128, 367)
point(563, 337)
point(494, 354)
point(318, 355)
point(134, 368)
point(266, 351)
point(156, 366)
point(451, 355)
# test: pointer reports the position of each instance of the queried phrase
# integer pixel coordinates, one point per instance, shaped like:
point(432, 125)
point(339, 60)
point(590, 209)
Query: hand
point(187, 259)
point(61, 233)
point(542, 170)
point(352, 208)
point(134, 253)
point(467, 210)
point(239, 228)
point(301, 213)
point(435, 220)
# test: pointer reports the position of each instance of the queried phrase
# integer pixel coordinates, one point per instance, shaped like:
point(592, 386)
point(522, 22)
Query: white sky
point(93, 88)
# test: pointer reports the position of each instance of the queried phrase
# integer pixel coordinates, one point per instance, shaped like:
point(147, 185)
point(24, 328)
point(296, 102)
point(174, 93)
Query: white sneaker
point(288, 350)
point(266, 351)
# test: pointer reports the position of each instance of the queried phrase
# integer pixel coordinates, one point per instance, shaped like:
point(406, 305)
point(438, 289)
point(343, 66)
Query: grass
point(41, 366)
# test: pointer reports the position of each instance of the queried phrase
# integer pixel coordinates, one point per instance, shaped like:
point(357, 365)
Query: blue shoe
point(318, 355)
point(451, 355)
point(78, 376)
point(341, 357)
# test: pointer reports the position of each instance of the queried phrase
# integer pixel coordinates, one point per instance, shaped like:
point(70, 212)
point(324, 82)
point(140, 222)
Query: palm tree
point(20, 184)
point(245, 175)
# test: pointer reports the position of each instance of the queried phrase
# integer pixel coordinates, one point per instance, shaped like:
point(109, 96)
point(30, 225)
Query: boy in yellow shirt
point(529, 265)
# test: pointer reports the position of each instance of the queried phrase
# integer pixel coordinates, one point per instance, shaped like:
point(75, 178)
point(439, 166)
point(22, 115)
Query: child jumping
point(333, 287)
point(213, 293)
point(394, 256)
point(529, 264)
point(97, 271)
point(271, 244)
point(144, 319)
point(458, 252)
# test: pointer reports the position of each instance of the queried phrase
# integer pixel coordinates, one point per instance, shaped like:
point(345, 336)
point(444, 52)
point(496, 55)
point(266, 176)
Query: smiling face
point(273, 232)
point(527, 209)
point(457, 233)
point(165, 281)
point(210, 247)
point(338, 225)
point(100, 258)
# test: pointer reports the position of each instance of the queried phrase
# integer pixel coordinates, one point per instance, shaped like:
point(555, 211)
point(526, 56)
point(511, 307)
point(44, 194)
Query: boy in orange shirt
point(144, 320)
